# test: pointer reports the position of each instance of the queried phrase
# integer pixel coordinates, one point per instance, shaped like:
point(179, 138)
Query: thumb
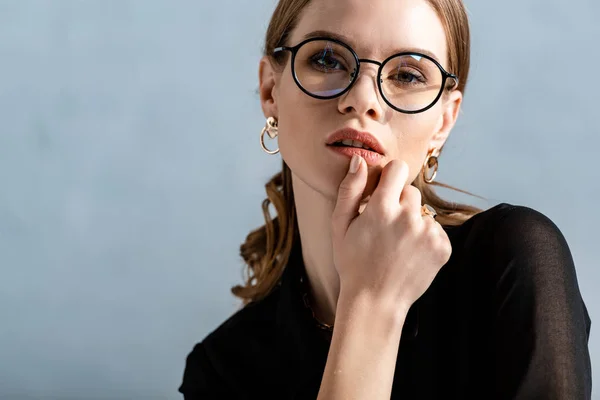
point(349, 195)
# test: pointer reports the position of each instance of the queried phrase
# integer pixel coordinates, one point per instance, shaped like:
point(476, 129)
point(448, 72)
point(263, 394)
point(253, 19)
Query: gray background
point(130, 171)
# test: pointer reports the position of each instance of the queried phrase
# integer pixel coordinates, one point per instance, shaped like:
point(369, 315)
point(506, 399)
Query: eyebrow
point(347, 40)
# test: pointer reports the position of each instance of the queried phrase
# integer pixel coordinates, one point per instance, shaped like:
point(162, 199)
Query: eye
point(326, 61)
point(407, 77)
point(410, 77)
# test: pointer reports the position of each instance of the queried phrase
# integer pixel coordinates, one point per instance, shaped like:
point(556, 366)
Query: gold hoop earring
point(430, 162)
point(271, 130)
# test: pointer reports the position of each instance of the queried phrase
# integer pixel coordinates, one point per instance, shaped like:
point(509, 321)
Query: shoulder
point(509, 237)
point(248, 330)
point(221, 362)
point(511, 240)
point(252, 323)
point(508, 227)
point(518, 274)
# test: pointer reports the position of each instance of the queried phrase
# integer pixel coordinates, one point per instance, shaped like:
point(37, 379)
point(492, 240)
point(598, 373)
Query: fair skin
point(365, 268)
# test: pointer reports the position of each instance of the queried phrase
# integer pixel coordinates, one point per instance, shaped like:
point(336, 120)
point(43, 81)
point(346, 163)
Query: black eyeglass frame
point(294, 50)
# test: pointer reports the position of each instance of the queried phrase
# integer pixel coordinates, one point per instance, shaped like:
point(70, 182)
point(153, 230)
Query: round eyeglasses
point(326, 68)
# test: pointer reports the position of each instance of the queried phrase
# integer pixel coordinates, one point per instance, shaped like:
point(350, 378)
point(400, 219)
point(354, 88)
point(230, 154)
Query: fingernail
point(354, 164)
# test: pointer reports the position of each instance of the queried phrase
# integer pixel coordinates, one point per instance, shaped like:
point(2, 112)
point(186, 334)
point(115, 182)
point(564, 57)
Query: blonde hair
point(267, 249)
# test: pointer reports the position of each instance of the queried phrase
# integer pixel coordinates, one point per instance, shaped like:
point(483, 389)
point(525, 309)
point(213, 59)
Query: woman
point(367, 285)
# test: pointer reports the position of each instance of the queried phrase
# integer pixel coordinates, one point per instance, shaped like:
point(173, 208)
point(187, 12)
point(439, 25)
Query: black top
point(503, 319)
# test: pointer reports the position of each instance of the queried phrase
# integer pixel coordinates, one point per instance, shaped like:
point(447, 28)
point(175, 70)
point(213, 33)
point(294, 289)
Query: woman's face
point(374, 29)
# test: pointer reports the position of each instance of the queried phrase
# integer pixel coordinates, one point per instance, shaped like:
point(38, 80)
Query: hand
point(389, 252)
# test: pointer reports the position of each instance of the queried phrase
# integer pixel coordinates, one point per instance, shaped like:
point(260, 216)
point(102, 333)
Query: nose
point(363, 97)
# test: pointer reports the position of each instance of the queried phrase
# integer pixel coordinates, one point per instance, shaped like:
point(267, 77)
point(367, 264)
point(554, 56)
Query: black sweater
point(503, 319)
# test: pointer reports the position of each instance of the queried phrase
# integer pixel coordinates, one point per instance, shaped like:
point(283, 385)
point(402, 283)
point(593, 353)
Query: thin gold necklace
point(321, 325)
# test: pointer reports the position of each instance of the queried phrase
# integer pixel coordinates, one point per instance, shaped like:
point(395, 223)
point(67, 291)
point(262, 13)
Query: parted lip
point(352, 134)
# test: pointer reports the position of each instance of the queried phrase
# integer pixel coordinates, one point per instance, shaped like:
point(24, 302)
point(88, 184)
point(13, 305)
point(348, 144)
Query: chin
point(321, 182)
point(323, 175)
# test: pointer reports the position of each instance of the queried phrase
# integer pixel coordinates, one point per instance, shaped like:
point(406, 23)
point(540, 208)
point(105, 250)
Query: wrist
point(364, 347)
point(380, 313)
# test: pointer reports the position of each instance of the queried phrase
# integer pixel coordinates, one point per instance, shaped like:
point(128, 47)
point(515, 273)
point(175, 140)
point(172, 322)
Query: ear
point(267, 88)
point(450, 110)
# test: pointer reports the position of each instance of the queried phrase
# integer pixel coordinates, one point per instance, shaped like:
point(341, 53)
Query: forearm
point(363, 351)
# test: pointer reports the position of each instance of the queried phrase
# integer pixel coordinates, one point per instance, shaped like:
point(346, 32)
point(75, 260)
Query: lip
point(352, 134)
point(371, 158)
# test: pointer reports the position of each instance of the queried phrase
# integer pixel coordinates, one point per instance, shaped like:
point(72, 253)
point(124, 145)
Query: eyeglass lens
point(325, 69)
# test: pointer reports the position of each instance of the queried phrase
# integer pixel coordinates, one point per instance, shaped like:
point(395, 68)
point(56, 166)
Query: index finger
point(394, 177)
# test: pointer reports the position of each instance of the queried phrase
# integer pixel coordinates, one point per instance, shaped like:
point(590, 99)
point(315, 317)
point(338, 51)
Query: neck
point(314, 215)
point(314, 212)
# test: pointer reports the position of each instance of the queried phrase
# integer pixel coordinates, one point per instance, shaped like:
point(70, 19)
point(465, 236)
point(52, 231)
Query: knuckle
point(442, 244)
point(411, 220)
point(416, 193)
point(411, 195)
point(431, 235)
point(431, 232)
point(383, 210)
point(345, 191)
point(445, 253)
point(412, 190)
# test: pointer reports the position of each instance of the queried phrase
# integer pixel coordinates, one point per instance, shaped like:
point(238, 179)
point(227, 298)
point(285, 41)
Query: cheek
point(413, 135)
point(295, 127)
point(299, 118)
